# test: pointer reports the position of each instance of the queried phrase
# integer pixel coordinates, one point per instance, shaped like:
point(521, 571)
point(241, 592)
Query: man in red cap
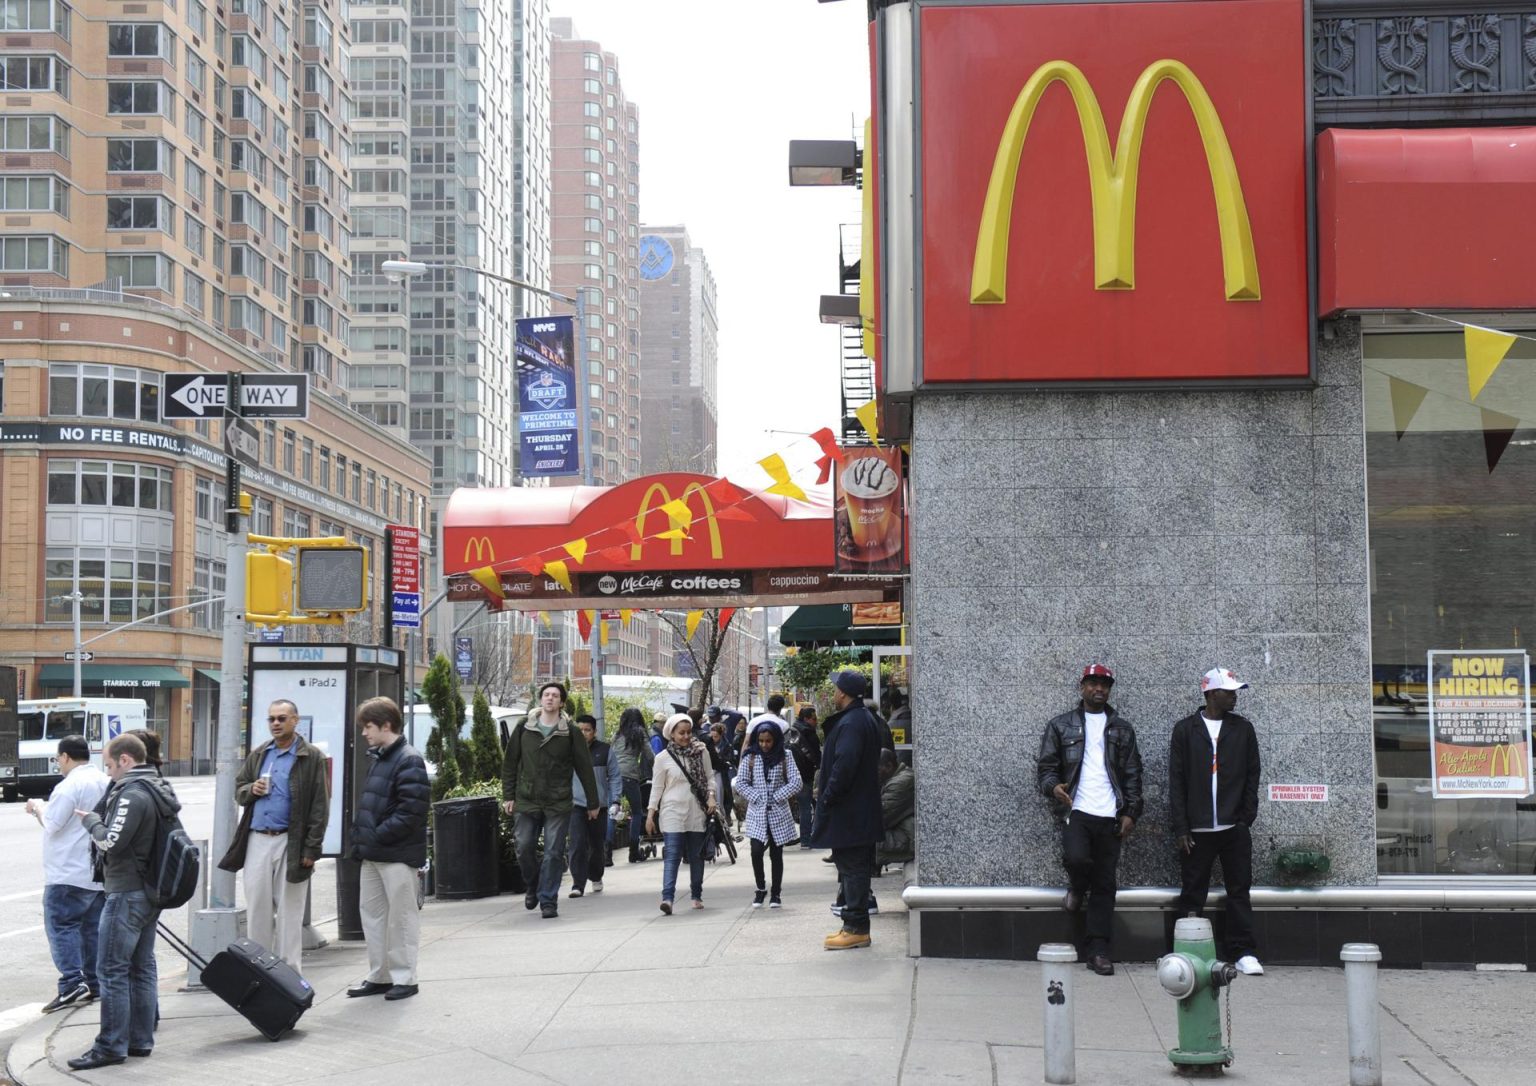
point(1090, 767)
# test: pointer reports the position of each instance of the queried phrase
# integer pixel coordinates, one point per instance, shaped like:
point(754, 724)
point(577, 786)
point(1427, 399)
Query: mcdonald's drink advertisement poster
point(869, 511)
point(547, 425)
point(1113, 192)
point(1480, 723)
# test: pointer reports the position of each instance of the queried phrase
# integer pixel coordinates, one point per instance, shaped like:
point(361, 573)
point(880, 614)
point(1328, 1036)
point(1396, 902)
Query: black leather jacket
point(1061, 759)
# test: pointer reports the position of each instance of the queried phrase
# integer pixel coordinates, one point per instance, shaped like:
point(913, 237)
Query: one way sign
point(262, 395)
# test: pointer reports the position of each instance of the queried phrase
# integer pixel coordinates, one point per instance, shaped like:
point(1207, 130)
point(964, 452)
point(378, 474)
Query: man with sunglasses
point(283, 787)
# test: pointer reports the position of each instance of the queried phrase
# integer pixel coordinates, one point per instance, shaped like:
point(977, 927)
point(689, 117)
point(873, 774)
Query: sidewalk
point(613, 991)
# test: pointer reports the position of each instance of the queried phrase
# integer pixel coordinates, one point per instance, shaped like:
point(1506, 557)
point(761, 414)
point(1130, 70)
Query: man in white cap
point(1213, 797)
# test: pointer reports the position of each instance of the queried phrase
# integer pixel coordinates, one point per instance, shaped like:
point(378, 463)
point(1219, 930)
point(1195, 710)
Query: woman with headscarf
point(682, 797)
point(769, 780)
point(632, 748)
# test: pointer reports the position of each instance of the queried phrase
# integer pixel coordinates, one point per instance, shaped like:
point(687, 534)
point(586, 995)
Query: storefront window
point(1452, 507)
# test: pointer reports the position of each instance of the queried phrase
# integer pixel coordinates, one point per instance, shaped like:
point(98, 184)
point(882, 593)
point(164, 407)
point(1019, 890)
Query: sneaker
point(758, 898)
point(846, 940)
point(666, 906)
point(775, 903)
point(1249, 966)
point(697, 904)
point(597, 886)
point(79, 993)
point(576, 891)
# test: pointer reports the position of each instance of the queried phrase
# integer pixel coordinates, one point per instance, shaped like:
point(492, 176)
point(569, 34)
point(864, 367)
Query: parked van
point(43, 723)
point(420, 722)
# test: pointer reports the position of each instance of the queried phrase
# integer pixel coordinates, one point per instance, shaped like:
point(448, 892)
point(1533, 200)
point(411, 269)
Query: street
point(30, 976)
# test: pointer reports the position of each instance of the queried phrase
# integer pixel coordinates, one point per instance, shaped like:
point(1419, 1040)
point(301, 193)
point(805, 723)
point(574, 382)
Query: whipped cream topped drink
point(871, 488)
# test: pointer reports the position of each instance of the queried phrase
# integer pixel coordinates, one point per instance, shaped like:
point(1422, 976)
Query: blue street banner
point(464, 656)
point(547, 422)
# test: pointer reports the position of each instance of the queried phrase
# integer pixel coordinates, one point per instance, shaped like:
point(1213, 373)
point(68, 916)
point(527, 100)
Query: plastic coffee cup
point(871, 488)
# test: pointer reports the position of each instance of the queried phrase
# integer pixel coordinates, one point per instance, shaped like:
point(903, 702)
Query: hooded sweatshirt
point(123, 826)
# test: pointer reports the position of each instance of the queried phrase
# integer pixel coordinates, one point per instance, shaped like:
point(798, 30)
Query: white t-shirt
point(66, 845)
point(1214, 728)
point(1094, 794)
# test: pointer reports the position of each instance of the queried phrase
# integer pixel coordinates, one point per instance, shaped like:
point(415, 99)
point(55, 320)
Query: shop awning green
point(114, 677)
point(211, 674)
point(832, 624)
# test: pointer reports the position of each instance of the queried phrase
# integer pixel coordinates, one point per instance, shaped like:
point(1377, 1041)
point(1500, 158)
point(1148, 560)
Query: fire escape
point(857, 370)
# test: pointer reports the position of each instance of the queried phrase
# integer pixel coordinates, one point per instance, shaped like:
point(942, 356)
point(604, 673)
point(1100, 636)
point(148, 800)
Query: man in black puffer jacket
point(1090, 768)
point(389, 836)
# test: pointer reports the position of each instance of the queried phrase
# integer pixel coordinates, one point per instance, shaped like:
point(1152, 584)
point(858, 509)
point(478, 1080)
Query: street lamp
point(823, 162)
point(415, 269)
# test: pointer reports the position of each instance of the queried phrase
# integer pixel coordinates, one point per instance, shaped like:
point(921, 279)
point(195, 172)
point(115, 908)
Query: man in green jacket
point(545, 749)
point(284, 786)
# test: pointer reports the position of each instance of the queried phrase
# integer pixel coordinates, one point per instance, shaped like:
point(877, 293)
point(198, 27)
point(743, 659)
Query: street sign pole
point(389, 579)
point(233, 662)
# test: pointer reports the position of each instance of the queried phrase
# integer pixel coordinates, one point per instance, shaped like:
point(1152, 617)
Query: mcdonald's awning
point(833, 624)
point(1395, 215)
point(126, 677)
point(742, 547)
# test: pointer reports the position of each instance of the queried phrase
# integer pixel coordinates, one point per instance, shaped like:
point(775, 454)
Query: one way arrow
point(196, 395)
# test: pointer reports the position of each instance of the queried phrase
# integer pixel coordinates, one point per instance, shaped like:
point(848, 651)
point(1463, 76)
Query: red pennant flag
point(828, 442)
point(725, 616)
point(726, 492)
point(615, 554)
point(734, 512)
point(533, 564)
point(584, 624)
point(825, 465)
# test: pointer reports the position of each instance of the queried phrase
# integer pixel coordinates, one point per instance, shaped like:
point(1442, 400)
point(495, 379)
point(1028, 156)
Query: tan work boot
point(846, 940)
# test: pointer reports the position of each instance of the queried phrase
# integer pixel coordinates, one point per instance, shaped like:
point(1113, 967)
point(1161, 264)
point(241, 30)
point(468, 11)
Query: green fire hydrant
point(1193, 975)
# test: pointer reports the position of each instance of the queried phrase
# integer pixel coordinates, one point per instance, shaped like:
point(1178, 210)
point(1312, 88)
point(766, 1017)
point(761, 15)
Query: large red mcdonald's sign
point(1113, 192)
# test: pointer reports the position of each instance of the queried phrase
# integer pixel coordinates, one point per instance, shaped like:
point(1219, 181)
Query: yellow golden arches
point(1112, 181)
point(659, 490)
point(481, 548)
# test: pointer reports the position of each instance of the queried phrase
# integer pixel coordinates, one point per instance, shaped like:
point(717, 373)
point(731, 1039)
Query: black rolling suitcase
point(268, 991)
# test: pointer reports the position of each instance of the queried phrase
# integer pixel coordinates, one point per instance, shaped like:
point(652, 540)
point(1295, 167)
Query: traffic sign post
point(83, 657)
point(403, 552)
point(260, 395)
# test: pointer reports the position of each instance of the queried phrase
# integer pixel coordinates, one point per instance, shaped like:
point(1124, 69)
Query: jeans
point(633, 792)
point(588, 854)
point(555, 825)
point(855, 867)
point(1235, 849)
point(71, 917)
point(1090, 851)
point(807, 814)
point(675, 847)
point(129, 1004)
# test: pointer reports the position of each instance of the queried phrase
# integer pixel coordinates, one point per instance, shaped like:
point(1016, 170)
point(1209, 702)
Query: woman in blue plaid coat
point(769, 780)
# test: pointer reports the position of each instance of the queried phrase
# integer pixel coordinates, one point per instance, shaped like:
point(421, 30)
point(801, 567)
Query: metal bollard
point(1364, 1018)
point(1057, 960)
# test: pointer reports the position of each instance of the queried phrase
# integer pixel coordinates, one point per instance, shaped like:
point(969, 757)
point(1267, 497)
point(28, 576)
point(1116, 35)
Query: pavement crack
point(992, 1059)
point(1409, 1064)
point(1432, 1049)
point(906, 1044)
point(1151, 1021)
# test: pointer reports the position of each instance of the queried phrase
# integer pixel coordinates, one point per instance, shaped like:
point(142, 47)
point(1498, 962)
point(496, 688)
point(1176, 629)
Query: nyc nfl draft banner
point(547, 420)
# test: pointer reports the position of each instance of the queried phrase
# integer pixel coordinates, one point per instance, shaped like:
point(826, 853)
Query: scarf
point(774, 756)
point(692, 757)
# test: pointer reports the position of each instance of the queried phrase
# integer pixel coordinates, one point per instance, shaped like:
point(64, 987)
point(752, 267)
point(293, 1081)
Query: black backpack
point(171, 879)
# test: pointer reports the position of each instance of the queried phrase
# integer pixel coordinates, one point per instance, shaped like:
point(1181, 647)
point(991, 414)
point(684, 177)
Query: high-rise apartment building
point(596, 233)
point(679, 343)
point(174, 189)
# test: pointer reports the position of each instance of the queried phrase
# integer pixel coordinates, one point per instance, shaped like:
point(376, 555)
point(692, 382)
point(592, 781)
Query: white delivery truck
point(43, 723)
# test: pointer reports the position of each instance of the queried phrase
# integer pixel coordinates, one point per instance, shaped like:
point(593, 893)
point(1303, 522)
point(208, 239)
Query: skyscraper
point(679, 342)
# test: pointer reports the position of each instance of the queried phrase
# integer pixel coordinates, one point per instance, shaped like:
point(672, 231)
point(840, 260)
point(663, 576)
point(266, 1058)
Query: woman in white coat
point(682, 796)
point(769, 780)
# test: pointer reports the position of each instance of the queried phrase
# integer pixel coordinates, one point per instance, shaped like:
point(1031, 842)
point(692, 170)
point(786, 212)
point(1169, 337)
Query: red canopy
point(744, 547)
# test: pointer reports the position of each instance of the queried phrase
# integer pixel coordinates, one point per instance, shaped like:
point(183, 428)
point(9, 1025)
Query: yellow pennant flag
point(1406, 398)
point(1485, 350)
point(560, 573)
point(544, 617)
point(692, 623)
point(490, 580)
point(577, 550)
point(779, 473)
point(680, 517)
point(602, 634)
point(869, 418)
point(624, 613)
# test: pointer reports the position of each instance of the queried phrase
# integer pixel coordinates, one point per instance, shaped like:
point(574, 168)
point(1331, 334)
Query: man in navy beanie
point(848, 805)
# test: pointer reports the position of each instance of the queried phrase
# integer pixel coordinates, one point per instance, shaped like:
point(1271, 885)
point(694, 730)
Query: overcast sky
point(722, 86)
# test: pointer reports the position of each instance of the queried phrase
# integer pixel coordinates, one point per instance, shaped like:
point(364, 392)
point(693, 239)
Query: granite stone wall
point(1162, 533)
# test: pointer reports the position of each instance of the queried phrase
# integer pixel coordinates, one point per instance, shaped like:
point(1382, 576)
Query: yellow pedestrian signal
point(268, 584)
point(332, 579)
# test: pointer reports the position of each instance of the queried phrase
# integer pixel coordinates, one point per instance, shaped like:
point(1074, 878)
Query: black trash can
point(465, 847)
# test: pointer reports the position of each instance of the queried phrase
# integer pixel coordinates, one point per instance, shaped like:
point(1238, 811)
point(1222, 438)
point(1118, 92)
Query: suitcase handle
point(179, 945)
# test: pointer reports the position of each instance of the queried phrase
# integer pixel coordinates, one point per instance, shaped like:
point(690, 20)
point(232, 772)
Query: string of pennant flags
point(1485, 349)
point(727, 501)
